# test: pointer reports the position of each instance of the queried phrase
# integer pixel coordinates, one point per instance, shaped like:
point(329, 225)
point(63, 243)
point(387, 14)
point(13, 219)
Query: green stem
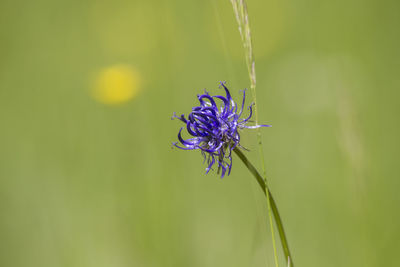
point(274, 208)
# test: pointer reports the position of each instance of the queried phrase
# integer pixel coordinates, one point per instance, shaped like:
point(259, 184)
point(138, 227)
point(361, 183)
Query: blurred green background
point(85, 182)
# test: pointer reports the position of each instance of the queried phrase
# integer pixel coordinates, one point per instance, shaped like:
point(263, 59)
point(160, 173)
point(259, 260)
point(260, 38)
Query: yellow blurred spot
point(116, 84)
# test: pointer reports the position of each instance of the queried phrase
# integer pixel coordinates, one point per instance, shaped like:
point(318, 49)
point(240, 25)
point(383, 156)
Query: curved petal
point(251, 114)
point(244, 98)
point(228, 95)
point(201, 123)
point(234, 107)
point(189, 129)
point(226, 102)
point(212, 110)
point(205, 115)
point(184, 148)
point(207, 96)
point(186, 142)
point(221, 166)
point(191, 117)
point(200, 130)
point(210, 164)
point(229, 165)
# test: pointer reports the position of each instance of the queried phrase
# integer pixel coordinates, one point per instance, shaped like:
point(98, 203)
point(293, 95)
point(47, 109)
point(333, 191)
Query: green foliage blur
point(87, 184)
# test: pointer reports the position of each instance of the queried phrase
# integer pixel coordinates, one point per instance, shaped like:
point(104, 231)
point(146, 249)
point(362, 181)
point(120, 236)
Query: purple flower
point(214, 129)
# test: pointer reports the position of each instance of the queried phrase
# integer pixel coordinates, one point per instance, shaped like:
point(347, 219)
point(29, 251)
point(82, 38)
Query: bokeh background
point(87, 173)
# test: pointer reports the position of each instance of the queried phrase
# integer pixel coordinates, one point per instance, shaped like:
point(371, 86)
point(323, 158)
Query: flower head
point(215, 129)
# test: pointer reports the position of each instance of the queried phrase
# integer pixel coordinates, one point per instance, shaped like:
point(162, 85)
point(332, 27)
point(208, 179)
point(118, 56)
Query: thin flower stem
point(274, 208)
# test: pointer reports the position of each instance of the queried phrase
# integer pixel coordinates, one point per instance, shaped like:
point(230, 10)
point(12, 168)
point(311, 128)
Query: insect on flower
point(215, 129)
